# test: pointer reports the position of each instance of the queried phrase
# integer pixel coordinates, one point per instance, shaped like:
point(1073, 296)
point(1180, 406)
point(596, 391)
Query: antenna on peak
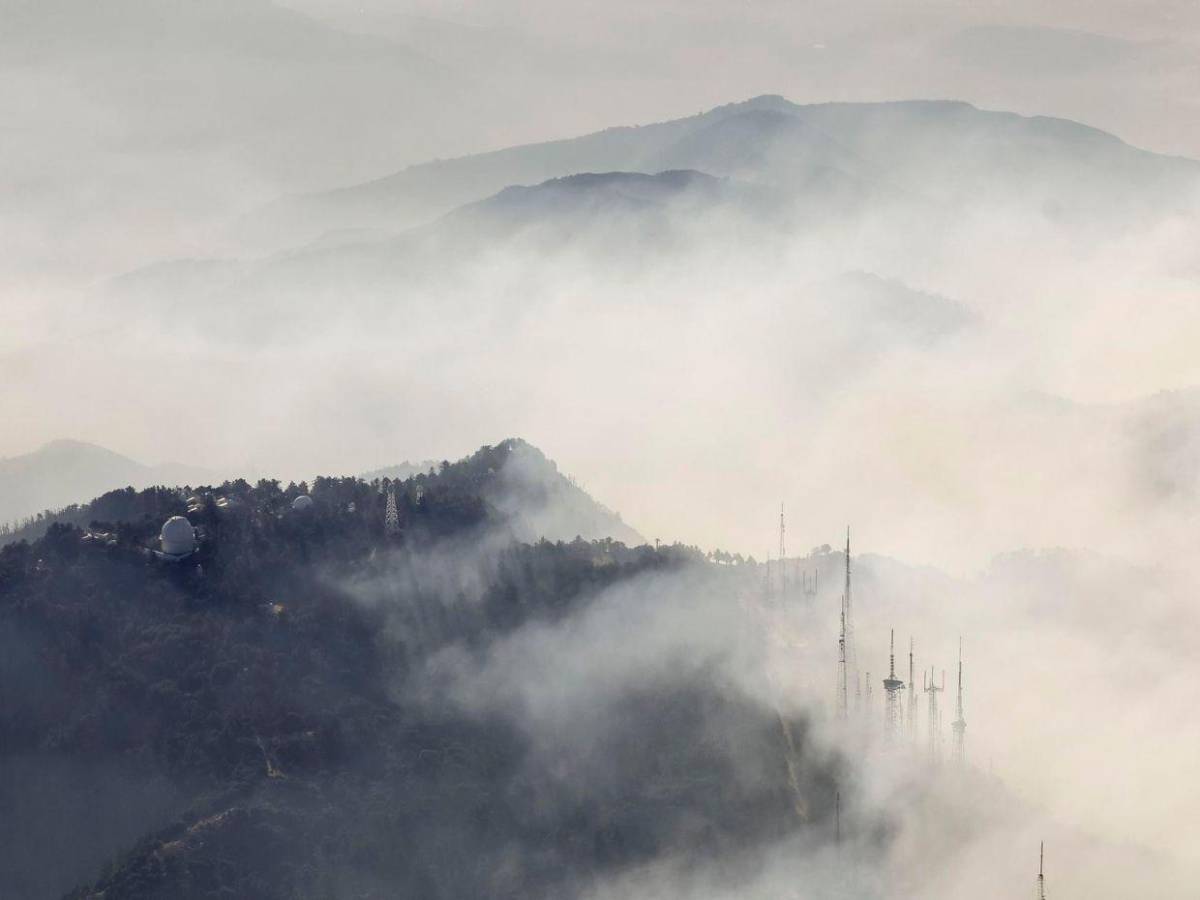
point(935, 720)
point(767, 580)
point(893, 686)
point(782, 556)
point(837, 834)
point(1041, 881)
point(848, 612)
point(912, 699)
point(960, 723)
point(843, 699)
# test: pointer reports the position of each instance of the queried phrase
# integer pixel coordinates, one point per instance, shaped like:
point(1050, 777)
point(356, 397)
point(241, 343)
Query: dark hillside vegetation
point(527, 494)
point(258, 720)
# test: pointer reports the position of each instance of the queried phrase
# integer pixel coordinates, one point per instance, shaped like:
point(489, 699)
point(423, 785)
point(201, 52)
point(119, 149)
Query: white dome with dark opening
point(177, 537)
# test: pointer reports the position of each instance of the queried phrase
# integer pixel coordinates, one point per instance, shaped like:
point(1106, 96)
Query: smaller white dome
point(177, 537)
point(302, 502)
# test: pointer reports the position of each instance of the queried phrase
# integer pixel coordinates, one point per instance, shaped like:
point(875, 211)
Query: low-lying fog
point(983, 359)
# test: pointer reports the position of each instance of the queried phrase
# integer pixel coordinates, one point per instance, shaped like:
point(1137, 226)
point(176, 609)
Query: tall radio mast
point(960, 724)
point(893, 686)
point(782, 558)
point(848, 615)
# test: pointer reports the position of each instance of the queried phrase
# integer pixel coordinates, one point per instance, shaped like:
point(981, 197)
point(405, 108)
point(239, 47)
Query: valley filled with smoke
point(386, 232)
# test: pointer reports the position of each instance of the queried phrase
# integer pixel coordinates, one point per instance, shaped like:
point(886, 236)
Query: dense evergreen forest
point(260, 718)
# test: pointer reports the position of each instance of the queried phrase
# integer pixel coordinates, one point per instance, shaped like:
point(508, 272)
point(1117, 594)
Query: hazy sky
point(1125, 66)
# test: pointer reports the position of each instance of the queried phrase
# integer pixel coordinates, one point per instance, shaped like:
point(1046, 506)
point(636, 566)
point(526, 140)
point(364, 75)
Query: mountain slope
point(65, 471)
point(627, 219)
point(945, 148)
point(314, 705)
point(540, 502)
point(524, 493)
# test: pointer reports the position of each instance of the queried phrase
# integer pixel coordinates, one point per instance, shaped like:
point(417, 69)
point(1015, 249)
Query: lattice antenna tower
point(843, 698)
point(935, 724)
point(848, 609)
point(837, 818)
point(1041, 882)
point(960, 723)
point(893, 686)
point(391, 516)
point(782, 557)
point(912, 696)
point(767, 580)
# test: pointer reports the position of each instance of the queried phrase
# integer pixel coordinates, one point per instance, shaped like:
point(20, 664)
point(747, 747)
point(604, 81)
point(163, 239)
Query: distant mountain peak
point(533, 498)
point(767, 102)
point(70, 444)
point(539, 501)
point(929, 146)
point(66, 470)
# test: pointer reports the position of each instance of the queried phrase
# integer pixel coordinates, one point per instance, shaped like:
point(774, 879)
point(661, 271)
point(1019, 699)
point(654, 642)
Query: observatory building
point(301, 503)
point(177, 538)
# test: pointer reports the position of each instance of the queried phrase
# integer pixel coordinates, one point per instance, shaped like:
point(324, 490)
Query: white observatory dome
point(178, 537)
point(302, 503)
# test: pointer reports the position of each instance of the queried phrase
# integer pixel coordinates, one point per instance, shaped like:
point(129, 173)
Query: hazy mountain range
point(168, 118)
point(741, 178)
point(64, 472)
point(940, 151)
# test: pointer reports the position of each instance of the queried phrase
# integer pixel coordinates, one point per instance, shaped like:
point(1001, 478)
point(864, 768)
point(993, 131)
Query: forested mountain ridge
point(525, 490)
point(315, 705)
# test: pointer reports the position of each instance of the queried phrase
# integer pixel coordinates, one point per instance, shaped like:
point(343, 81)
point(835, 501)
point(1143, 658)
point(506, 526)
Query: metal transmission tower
point(808, 587)
point(893, 686)
point(782, 558)
point(843, 698)
point(391, 518)
point(837, 813)
point(848, 628)
point(935, 722)
point(1041, 882)
point(960, 724)
point(912, 695)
